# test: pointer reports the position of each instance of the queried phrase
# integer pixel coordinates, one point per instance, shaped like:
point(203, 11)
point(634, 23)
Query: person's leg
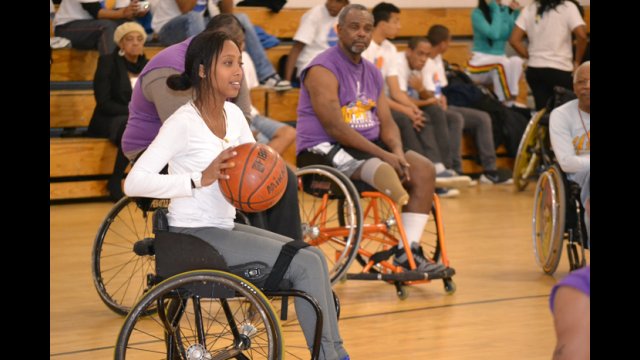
point(514, 72)
point(90, 34)
point(252, 44)
point(114, 184)
point(410, 139)
point(307, 272)
point(479, 124)
point(455, 124)
point(541, 92)
point(278, 135)
point(438, 134)
point(180, 28)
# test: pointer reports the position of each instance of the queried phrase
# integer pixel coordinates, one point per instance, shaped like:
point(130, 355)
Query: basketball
point(258, 180)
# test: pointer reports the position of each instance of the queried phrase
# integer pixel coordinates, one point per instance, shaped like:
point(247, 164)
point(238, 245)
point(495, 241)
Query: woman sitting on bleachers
point(112, 85)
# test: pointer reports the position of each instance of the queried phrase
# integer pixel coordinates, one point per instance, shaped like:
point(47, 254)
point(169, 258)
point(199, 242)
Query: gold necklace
point(211, 126)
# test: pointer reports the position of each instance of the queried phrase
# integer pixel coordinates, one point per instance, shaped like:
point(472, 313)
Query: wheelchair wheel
point(549, 211)
point(331, 216)
point(119, 275)
point(528, 156)
point(192, 323)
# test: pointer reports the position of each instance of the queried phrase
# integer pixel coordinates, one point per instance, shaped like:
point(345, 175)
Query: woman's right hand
point(213, 172)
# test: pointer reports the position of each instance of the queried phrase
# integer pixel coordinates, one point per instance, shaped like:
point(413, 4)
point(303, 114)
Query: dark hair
point(203, 50)
point(343, 14)
point(414, 41)
point(383, 11)
point(484, 7)
point(438, 34)
point(223, 21)
point(546, 5)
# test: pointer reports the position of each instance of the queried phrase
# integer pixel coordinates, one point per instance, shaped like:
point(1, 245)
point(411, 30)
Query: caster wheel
point(449, 286)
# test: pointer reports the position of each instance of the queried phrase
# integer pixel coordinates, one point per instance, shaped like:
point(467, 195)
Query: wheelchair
point(534, 148)
point(196, 307)
point(558, 216)
point(355, 223)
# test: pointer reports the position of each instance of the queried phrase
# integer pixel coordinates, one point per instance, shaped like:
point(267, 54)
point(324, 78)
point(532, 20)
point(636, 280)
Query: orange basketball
point(258, 180)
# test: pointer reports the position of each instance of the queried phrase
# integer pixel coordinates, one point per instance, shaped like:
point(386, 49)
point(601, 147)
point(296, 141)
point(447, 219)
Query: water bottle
point(438, 91)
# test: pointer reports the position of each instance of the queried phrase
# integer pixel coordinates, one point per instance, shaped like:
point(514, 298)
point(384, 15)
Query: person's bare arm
point(294, 53)
point(322, 86)
point(186, 5)
point(515, 40)
point(572, 322)
point(390, 136)
point(417, 120)
point(155, 89)
point(581, 44)
point(226, 6)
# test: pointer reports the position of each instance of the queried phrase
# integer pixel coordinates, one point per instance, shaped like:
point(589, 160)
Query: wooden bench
point(79, 167)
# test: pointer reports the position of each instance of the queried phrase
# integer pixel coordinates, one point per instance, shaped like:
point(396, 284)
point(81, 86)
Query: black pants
point(543, 80)
point(284, 217)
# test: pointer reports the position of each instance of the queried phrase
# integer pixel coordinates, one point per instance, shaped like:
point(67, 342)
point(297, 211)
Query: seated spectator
point(477, 122)
point(191, 141)
point(344, 121)
point(570, 132)
point(276, 134)
point(492, 24)
point(115, 76)
point(90, 24)
point(152, 102)
point(427, 129)
point(175, 20)
point(316, 33)
point(267, 74)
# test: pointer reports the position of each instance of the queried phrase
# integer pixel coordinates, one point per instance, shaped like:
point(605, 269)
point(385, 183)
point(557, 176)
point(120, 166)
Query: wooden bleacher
point(79, 166)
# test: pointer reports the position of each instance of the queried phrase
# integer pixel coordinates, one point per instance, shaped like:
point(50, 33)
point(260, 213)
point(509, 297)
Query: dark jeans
point(543, 80)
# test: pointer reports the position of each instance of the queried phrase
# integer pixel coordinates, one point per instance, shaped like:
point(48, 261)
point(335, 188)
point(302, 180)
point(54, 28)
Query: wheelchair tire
point(331, 216)
point(549, 211)
point(244, 326)
point(119, 275)
point(528, 157)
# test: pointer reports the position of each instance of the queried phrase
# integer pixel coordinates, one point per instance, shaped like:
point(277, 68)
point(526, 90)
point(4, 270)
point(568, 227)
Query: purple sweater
point(359, 86)
point(144, 121)
point(578, 279)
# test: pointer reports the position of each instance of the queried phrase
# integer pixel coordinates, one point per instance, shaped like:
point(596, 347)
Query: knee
point(287, 133)
point(422, 168)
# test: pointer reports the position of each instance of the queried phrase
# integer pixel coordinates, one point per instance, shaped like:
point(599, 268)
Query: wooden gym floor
point(500, 309)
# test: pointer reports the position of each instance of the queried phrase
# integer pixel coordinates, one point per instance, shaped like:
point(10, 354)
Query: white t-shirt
point(318, 32)
point(404, 72)
point(250, 76)
point(434, 68)
point(569, 140)
point(383, 56)
point(72, 10)
point(165, 10)
point(188, 146)
point(550, 35)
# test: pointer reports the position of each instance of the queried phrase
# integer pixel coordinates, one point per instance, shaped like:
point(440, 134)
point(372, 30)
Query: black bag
point(508, 125)
point(274, 5)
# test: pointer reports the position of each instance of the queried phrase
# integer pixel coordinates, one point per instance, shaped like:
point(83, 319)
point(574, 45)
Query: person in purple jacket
point(344, 121)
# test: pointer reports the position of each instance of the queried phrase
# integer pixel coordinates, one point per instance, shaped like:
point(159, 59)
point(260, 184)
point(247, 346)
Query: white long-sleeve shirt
point(569, 140)
point(188, 146)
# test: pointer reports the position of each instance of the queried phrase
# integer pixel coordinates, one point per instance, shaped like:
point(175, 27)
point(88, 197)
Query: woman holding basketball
point(197, 142)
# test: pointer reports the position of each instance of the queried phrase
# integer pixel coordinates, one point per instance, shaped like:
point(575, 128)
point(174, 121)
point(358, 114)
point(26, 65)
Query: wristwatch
point(196, 180)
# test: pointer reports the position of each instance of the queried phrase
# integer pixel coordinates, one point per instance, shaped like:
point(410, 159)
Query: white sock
point(414, 224)
point(439, 167)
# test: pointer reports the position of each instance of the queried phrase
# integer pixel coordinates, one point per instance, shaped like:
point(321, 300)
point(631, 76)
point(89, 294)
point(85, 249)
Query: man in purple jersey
point(344, 121)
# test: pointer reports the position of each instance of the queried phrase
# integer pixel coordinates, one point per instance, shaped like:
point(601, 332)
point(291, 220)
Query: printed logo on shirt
point(582, 144)
point(378, 62)
point(332, 37)
point(358, 114)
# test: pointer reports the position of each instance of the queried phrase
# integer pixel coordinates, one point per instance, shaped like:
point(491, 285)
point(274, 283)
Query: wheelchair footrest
point(404, 276)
